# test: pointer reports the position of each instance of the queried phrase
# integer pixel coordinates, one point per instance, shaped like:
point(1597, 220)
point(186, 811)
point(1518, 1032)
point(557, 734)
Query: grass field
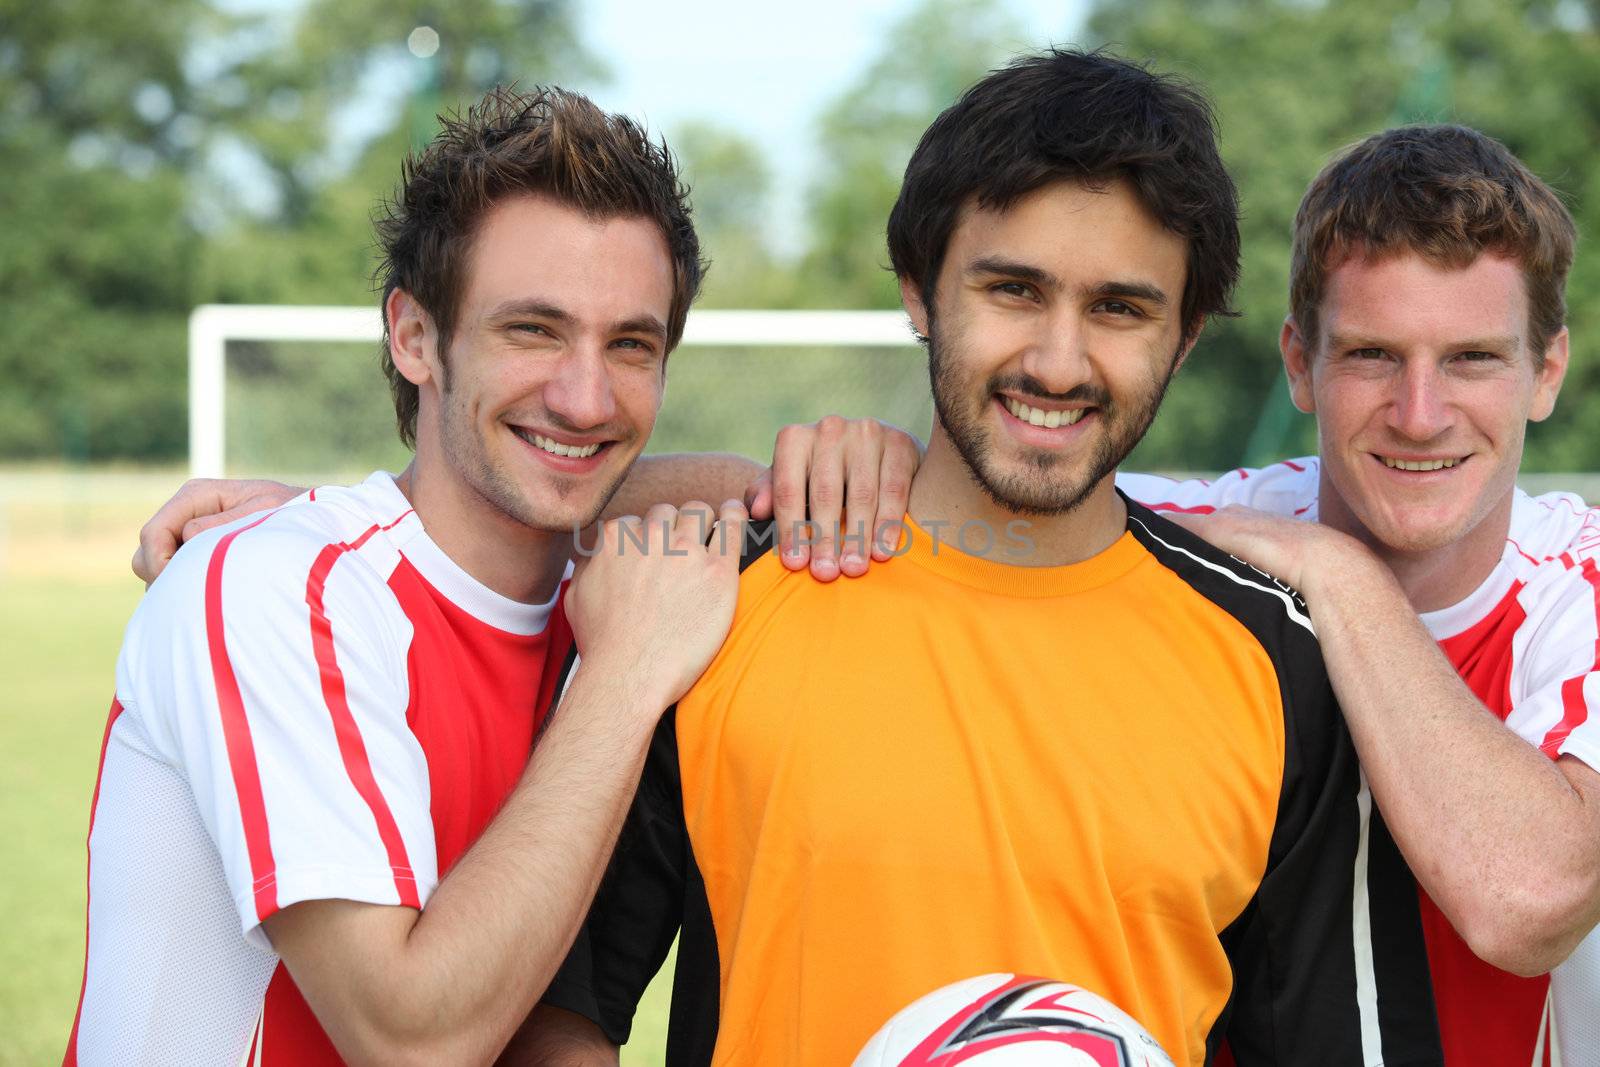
point(65, 593)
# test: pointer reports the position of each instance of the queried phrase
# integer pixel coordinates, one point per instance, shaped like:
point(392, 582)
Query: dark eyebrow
point(539, 309)
point(1150, 294)
point(1010, 268)
point(533, 309)
point(647, 324)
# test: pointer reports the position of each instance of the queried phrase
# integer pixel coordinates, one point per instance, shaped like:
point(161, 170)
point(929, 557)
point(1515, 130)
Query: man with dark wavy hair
point(323, 715)
point(1060, 736)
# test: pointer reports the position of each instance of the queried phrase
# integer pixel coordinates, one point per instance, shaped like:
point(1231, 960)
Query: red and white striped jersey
point(1527, 642)
point(316, 703)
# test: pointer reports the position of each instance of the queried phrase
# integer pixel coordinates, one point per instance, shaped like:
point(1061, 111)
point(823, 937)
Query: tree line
point(166, 153)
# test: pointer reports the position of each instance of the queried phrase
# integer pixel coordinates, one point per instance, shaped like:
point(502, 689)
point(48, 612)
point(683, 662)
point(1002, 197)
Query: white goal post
point(212, 326)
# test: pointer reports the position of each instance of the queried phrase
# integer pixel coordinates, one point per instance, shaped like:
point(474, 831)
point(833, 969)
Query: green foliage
point(97, 277)
point(865, 137)
point(729, 184)
point(119, 220)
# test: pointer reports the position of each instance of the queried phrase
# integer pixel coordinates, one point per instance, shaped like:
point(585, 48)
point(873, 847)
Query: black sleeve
point(651, 890)
point(1330, 966)
point(639, 907)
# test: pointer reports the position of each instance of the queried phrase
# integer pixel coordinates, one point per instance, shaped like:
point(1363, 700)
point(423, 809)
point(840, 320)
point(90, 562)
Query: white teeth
point(556, 448)
point(1418, 464)
point(1038, 417)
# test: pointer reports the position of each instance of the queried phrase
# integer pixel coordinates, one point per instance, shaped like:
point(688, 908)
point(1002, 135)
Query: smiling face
point(1054, 332)
point(1423, 383)
point(551, 381)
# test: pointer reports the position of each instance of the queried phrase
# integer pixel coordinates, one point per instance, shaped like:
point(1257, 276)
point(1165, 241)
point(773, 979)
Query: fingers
point(693, 526)
point(791, 470)
point(863, 456)
point(758, 496)
point(727, 537)
point(825, 496)
point(159, 538)
point(901, 457)
point(156, 548)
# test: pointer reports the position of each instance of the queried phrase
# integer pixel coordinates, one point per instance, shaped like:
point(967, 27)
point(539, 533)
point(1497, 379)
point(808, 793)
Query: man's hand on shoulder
point(1306, 555)
point(199, 505)
point(851, 478)
point(653, 597)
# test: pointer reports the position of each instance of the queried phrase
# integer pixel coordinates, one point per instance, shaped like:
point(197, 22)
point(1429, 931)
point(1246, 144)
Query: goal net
point(296, 391)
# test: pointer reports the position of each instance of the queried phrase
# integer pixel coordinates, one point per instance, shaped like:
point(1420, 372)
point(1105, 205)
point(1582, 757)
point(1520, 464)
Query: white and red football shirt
point(1527, 642)
point(315, 703)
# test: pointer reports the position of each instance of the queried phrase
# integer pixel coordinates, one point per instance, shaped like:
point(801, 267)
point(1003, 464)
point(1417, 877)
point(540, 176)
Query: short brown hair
point(1447, 193)
point(547, 141)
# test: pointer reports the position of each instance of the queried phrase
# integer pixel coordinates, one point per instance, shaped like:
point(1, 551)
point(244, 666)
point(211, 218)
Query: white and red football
point(1012, 1020)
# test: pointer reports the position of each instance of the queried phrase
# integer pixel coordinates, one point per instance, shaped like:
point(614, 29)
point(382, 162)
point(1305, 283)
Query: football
point(1012, 1020)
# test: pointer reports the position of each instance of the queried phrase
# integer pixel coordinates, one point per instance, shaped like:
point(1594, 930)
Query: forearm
point(553, 1037)
point(1495, 831)
point(678, 478)
point(477, 958)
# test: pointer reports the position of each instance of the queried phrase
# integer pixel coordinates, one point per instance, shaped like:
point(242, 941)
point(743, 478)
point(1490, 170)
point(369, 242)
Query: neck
point(945, 492)
point(1432, 578)
point(514, 560)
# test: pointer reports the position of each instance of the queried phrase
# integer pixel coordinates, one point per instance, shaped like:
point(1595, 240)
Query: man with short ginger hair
point(1426, 331)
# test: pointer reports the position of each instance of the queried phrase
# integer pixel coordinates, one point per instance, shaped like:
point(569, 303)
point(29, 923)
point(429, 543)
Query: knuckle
point(870, 429)
point(825, 494)
point(788, 497)
point(831, 427)
point(894, 489)
point(862, 495)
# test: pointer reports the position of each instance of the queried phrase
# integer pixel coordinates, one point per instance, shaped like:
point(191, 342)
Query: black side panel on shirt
point(1311, 984)
point(652, 890)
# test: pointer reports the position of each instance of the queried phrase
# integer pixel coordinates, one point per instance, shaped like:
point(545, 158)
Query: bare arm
point(852, 475)
point(680, 477)
point(554, 1037)
point(1504, 840)
point(450, 984)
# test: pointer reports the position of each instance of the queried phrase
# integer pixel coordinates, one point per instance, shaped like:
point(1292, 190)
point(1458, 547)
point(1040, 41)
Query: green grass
point(58, 647)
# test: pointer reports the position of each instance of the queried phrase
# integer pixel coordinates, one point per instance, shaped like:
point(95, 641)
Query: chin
point(1414, 534)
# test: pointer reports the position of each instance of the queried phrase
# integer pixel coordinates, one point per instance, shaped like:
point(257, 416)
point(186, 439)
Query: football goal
point(296, 390)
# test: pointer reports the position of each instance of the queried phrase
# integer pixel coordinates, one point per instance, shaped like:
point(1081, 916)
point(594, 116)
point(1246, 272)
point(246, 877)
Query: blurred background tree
point(165, 153)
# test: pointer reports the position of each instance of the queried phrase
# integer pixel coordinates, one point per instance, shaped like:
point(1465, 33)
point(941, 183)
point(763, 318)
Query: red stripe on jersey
point(351, 747)
point(1576, 710)
point(236, 735)
point(1292, 465)
point(1242, 473)
point(1520, 552)
point(71, 1057)
point(1167, 505)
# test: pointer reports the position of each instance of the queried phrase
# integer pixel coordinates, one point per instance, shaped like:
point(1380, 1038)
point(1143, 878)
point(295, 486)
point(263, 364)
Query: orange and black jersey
point(1127, 773)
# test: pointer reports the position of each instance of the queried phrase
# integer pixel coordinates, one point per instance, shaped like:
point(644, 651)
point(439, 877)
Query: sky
point(763, 69)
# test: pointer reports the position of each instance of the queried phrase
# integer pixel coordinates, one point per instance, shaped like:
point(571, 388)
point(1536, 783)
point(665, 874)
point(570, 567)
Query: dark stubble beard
point(1041, 494)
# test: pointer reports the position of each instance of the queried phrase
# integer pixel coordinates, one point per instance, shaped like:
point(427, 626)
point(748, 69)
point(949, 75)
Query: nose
point(1058, 356)
point(580, 392)
point(1419, 410)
